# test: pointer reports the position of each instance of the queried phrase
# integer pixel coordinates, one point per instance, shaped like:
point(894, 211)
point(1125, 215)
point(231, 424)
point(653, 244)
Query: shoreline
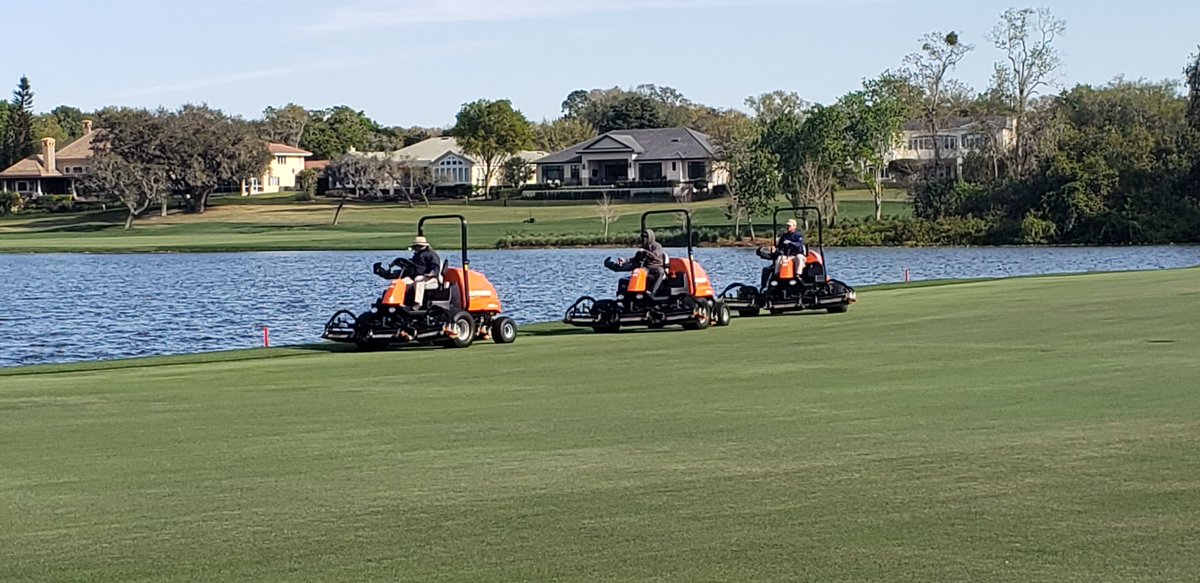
point(530, 329)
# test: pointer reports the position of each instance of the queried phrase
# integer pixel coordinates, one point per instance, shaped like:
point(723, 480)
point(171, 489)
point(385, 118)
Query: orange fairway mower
point(797, 280)
point(684, 297)
point(462, 307)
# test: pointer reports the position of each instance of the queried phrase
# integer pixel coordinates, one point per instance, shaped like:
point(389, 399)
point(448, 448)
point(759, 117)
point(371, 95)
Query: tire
point(748, 313)
point(701, 323)
point(465, 326)
point(721, 315)
point(607, 328)
point(504, 330)
point(839, 309)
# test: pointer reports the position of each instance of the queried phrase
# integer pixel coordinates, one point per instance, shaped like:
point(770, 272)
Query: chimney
point(48, 154)
point(87, 126)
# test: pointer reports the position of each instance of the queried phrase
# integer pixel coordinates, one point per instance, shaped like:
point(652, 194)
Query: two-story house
point(959, 137)
point(447, 162)
point(286, 163)
point(675, 155)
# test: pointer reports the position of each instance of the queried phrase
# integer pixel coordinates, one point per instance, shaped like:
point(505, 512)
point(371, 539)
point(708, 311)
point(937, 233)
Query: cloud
point(364, 14)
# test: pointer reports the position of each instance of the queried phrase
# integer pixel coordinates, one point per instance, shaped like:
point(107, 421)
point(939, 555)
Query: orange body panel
point(698, 282)
point(786, 269)
point(481, 296)
point(395, 293)
point(637, 281)
point(814, 257)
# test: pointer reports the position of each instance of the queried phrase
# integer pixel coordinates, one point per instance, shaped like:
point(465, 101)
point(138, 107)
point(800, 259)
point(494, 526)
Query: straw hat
point(791, 222)
point(420, 241)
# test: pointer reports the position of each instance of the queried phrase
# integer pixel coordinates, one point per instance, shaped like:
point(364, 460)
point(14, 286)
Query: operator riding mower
point(684, 297)
point(464, 306)
point(796, 282)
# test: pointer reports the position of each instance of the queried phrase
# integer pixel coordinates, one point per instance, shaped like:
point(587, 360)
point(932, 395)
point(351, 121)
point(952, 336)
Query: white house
point(959, 137)
point(447, 161)
point(675, 155)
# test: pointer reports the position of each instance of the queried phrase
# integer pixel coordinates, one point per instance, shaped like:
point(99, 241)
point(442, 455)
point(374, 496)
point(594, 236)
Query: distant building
point(286, 163)
point(447, 162)
point(673, 155)
point(959, 137)
point(52, 171)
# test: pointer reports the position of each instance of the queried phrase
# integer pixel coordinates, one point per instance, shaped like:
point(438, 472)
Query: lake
point(78, 307)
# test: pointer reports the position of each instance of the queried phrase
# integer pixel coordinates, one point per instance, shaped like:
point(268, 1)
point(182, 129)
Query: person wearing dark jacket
point(650, 256)
point(427, 269)
point(791, 244)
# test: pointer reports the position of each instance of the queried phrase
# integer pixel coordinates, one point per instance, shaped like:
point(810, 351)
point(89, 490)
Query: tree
point(10, 203)
point(356, 173)
point(333, 132)
point(285, 125)
point(607, 212)
point(306, 184)
point(769, 106)
point(632, 112)
point(875, 116)
point(19, 139)
point(130, 162)
point(562, 133)
point(811, 154)
point(491, 132)
point(516, 171)
point(1192, 76)
point(753, 172)
point(205, 149)
point(70, 119)
point(1026, 35)
point(930, 69)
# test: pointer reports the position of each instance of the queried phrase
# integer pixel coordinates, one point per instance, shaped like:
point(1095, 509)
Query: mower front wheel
point(838, 309)
point(748, 312)
point(504, 330)
point(463, 326)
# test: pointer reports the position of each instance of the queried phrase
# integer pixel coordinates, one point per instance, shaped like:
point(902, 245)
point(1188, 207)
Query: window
point(974, 141)
point(552, 174)
point(281, 160)
point(650, 171)
point(273, 181)
point(574, 172)
point(697, 170)
point(22, 186)
point(674, 166)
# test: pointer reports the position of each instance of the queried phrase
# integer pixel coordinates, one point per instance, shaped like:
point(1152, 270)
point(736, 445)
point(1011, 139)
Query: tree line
point(1113, 163)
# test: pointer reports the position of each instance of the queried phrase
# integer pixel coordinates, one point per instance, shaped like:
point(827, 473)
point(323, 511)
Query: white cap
point(791, 222)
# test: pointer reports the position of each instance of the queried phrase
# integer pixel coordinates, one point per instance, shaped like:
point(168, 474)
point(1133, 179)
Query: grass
point(1021, 430)
point(272, 223)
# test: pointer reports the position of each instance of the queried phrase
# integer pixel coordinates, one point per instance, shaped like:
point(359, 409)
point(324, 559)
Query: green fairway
point(1040, 429)
point(272, 223)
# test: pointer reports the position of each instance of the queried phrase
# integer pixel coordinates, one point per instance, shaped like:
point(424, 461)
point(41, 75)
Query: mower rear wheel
point(464, 330)
point(504, 330)
point(702, 321)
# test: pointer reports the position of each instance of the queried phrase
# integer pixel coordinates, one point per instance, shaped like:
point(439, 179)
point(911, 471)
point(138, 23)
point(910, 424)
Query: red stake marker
point(266, 337)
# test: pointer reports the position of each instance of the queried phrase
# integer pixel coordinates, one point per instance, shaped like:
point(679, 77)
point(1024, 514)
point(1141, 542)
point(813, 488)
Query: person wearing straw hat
point(427, 269)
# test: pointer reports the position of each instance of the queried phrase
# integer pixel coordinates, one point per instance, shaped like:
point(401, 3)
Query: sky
point(415, 62)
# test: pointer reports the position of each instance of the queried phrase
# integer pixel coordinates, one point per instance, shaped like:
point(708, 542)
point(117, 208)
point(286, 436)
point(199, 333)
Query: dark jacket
point(426, 262)
point(790, 243)
point(651, 256)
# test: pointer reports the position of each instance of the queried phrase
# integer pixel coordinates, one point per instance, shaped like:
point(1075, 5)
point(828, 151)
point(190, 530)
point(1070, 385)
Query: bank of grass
point(273, 223)
point(1021, 430)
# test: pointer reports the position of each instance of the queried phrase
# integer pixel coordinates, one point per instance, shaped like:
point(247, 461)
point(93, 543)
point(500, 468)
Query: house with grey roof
point(956, 138)
point(668, 155)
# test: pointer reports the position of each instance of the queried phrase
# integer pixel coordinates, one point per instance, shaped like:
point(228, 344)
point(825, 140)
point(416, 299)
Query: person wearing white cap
point(791, 244)
point(427, 269)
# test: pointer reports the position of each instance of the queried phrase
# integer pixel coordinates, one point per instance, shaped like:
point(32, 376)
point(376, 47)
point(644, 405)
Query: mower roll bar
point(796, 212)
point(462, 222)
point(687, 233)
